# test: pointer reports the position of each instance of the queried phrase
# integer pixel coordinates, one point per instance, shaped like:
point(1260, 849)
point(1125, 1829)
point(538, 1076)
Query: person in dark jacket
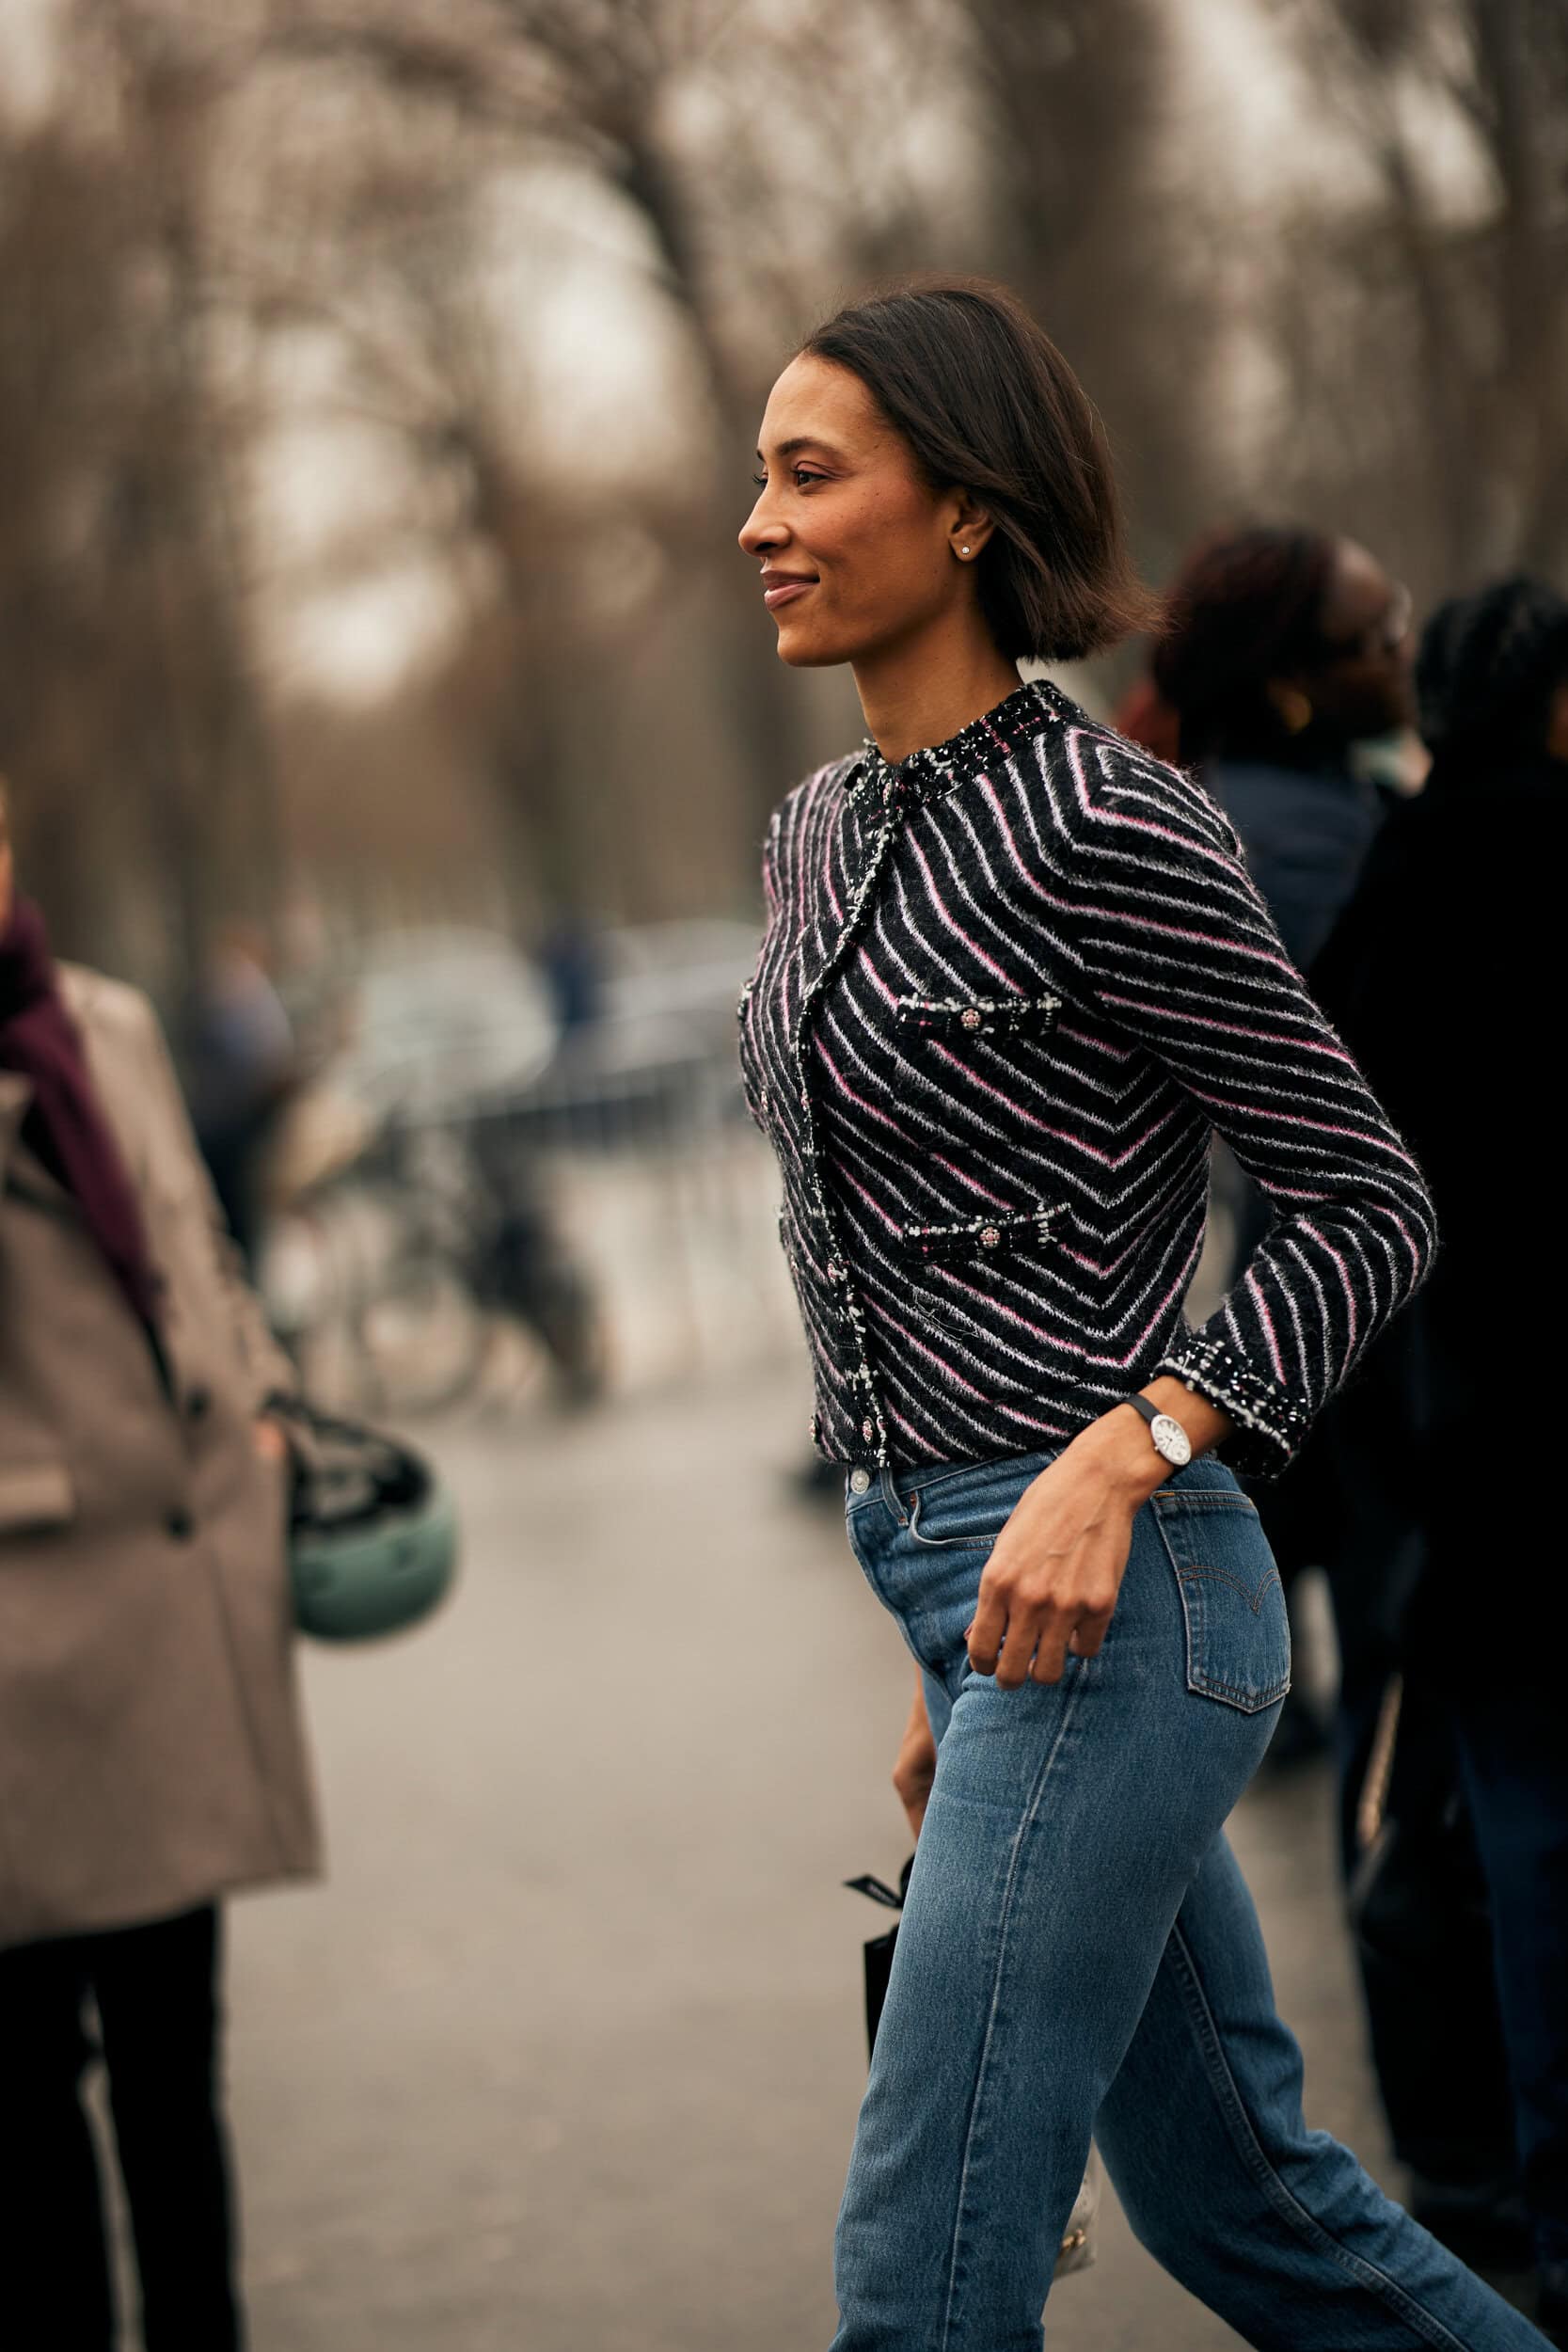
point(1282, 649)
point(1441, 975)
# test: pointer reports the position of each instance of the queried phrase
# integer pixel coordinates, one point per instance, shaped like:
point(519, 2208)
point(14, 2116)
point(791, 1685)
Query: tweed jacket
point(152, 1750)
point(1007, 992)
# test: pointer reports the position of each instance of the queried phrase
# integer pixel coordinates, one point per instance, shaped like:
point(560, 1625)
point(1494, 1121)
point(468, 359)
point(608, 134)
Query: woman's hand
point(1052, 1578)
point(916, 1765)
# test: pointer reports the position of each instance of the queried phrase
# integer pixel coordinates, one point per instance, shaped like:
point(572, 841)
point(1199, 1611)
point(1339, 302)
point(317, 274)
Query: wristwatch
point(1170, 1440)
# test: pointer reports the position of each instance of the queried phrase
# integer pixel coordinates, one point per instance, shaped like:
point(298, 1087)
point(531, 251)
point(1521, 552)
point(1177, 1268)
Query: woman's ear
point(970, 529)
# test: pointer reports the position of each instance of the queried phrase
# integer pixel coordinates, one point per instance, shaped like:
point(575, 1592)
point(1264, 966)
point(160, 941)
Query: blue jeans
point(1079, 1955)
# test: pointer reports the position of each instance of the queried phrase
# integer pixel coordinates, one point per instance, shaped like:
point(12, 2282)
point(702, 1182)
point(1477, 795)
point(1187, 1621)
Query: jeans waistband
point(895, 1489)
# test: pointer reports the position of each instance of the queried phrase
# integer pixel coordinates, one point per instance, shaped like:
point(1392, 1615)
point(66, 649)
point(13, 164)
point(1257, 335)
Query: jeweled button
point(860, 1482)
point(868, 1430)
point(990, 1237)
point(970, 1017)
point(836, 1272)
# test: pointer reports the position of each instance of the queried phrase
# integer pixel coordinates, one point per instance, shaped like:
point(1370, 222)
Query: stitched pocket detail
point(1024, 1233)
point(977, 1016)
point(1238, 1631)
point(970, 1507)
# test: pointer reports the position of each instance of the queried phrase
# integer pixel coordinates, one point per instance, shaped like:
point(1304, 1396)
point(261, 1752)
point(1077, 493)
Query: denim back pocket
point(1237, 1631)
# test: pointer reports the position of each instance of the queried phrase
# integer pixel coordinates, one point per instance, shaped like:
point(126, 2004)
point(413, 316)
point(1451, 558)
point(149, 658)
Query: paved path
point(565, 2055)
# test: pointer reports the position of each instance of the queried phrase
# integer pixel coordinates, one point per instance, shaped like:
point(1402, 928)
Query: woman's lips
point(785, 593)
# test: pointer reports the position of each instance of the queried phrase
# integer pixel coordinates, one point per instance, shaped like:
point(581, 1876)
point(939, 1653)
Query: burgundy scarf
point(65, 1124)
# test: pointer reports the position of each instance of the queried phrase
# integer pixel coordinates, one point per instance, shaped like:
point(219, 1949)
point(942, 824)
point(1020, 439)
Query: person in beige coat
point(151, 1752)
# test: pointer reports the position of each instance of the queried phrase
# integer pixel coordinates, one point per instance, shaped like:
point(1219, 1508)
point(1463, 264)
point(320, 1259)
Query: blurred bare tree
point(1423, 310)
point(128, 710)
point(1102, 233)
point(481, 299)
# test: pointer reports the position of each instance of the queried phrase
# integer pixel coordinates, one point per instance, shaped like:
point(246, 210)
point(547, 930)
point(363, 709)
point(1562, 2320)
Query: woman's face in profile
point(856, 550)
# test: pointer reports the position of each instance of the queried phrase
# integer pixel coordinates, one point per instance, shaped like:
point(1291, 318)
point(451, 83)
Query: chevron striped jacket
point(1007, 992)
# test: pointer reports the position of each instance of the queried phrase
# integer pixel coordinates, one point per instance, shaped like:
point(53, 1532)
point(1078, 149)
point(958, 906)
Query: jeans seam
point(961, 2216)
point(1257, 2161)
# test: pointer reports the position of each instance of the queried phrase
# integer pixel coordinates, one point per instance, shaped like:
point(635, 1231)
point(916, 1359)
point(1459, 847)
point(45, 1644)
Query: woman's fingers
point(1018, 1650)
point(1051, 1658)
point(985, 1634)
point(1090, 1632)
point(1019, 1643)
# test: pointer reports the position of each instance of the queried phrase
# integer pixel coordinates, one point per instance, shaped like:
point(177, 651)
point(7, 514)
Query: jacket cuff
point(1270, 1422)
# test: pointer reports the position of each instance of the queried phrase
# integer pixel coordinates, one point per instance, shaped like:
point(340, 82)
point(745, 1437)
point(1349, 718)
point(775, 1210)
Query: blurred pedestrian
point(244, 1069)
point(1445, 964)
point(1014, 974)
point(151, 1754)
point(1283, 649)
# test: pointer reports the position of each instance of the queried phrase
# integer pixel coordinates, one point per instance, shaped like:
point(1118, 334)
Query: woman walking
point(152, 1756)
point(1014, 977)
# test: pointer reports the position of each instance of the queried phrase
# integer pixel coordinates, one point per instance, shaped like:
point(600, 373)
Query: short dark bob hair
point(988, 403)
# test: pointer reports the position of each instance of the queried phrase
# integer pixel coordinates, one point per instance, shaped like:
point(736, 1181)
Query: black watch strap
point(1141, 1405)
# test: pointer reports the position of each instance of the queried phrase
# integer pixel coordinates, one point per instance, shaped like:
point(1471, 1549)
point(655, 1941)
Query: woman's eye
point(761, 481)
point(802, 477)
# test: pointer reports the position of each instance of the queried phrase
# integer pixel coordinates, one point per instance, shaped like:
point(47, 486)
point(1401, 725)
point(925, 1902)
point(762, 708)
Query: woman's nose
point(760, 531)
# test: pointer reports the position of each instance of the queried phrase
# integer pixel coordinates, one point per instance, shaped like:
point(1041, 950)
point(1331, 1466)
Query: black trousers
point(155, 1989)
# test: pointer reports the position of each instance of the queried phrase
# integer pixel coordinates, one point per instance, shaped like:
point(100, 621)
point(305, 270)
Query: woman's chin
point(805, 649)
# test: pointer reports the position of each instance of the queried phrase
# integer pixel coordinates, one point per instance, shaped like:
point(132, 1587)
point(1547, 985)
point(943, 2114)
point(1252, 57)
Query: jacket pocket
point(1238, 1631)
point(35, 1496)
point(984, 1240)
point(956, 1270)
point(977, 1016)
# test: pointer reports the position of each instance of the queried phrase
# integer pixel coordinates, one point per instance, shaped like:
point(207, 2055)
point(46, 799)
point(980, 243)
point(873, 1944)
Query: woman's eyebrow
point(802, 440)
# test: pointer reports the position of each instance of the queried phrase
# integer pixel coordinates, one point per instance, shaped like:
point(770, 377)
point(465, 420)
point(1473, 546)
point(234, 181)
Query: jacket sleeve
point(1174, 944)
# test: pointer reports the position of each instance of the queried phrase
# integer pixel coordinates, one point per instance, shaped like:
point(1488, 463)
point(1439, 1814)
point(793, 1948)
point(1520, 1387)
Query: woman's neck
point(922, 694)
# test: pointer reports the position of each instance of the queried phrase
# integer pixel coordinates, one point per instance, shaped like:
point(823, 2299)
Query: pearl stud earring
point(963, 550)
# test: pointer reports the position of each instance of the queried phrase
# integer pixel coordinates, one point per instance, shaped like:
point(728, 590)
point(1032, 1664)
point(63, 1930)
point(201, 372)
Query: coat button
point(198, 1403)
point(860, 1481)
point(836, 1272)
point(970, 1017)
point(180, 1526)
point(868, 1430)
point(990, 1237)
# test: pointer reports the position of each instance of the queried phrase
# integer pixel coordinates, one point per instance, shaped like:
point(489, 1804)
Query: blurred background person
point(1283, 650)
point(151, 1753)
point(1436, 966)
point(242, 1070)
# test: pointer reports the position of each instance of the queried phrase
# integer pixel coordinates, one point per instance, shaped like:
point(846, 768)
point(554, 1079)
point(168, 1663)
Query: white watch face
point(1171, 1439)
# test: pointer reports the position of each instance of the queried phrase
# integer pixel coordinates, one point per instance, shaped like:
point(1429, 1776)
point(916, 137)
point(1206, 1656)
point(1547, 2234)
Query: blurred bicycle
point(391, 1274)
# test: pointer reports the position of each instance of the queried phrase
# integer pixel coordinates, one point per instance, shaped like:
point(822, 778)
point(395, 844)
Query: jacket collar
point(926, 774)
